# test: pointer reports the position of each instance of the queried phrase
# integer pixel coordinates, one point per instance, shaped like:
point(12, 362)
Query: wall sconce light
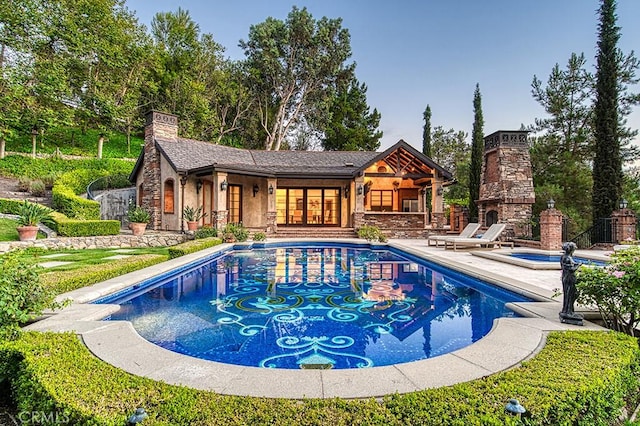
point(551, 204)
point(346, 191)
point(183, 180)
point(270, 189)
point(396, 184)
point(256, 189)
point(360, 189)
point(439, 191)
point(623, 204)
point(198, 186)
point(224, 185)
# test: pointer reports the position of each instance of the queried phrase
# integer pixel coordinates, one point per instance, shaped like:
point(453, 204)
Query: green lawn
point(8, 230)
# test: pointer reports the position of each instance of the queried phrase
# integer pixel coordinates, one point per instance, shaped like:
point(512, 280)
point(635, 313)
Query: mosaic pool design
point(329, 306)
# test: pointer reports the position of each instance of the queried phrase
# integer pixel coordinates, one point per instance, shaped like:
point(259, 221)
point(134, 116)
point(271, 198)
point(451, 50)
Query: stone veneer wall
point(111, 241)
point(158, 125)
point(401, 225)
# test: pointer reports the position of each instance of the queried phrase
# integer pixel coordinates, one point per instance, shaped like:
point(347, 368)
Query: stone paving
point(511, 341)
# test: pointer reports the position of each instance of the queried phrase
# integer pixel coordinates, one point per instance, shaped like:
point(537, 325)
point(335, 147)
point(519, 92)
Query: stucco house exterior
point(286, 191)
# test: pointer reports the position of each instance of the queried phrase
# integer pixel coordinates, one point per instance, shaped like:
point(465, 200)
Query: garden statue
point(569, 290)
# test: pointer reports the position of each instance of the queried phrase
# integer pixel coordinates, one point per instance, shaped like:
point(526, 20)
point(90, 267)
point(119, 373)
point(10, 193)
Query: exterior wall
point(507, 182)
point(254, 209)
point(170, 222)
point(398, 225)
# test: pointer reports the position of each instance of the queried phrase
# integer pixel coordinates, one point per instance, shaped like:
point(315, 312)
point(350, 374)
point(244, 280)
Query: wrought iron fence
point(602, 232)
point(107, 182)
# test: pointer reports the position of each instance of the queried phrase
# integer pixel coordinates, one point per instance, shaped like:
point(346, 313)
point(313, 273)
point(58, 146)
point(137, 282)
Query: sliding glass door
point(308, 206)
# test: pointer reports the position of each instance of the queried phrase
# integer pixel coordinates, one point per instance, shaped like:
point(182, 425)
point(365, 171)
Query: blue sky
point(412, 53)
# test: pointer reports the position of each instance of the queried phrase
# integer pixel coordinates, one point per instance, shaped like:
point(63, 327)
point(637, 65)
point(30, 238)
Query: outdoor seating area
point(468, 232)
point(491, 238)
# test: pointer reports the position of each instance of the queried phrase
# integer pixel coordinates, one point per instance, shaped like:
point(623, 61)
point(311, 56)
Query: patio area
point(511, 341)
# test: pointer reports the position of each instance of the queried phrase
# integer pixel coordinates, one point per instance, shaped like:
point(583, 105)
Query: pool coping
point(510, 342)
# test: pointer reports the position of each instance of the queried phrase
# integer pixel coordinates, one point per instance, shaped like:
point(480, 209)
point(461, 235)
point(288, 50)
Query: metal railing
point(602, 232)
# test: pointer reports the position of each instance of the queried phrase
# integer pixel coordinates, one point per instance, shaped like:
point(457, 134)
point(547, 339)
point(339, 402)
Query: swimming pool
point(555, 258)
point(312, 306)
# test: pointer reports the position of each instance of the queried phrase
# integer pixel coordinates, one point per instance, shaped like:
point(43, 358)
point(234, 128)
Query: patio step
point(315, 232)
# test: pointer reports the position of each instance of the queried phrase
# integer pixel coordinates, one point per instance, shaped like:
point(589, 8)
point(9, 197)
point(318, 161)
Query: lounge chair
point(489, 238)
point(467, 232)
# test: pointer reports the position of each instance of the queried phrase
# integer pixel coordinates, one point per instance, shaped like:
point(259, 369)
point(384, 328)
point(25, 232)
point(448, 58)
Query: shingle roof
point(189, 156)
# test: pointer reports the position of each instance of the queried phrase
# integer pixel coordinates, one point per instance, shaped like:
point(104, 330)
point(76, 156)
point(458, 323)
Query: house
point(276, 191)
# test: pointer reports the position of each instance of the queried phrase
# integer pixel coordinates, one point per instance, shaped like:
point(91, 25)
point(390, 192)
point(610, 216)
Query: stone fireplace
point(506, 186)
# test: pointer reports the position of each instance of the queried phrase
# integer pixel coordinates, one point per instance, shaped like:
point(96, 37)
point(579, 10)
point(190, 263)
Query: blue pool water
point(555, 258)
point(324, 306)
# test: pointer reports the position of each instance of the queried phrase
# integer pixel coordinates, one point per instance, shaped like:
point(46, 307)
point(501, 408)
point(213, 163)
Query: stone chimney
point(506, 187)
point(158, 125)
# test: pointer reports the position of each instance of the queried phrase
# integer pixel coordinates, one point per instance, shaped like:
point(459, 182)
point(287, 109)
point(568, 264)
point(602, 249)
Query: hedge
point(73, 206)
point(10, 206)
point(193, 246)
point(579, 377)
point(63, 281)
point(83, 228)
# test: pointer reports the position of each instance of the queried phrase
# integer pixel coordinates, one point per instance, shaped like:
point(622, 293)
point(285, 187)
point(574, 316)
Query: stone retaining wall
point(159, 239)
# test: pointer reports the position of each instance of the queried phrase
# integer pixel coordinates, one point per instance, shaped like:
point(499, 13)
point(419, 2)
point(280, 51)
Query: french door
point(308, 206)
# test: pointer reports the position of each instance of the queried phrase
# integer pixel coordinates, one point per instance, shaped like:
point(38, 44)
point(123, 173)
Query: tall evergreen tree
point(426, 132)
point(477, 152)
point(607, 163)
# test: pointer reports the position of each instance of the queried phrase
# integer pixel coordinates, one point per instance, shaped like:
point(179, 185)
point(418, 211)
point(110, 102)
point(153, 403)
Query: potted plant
point(192, 216)
point(138, 219)
point(29, 216)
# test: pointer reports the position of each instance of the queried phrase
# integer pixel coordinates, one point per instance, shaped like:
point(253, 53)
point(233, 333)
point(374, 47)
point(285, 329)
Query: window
point(169, 206)
point(140, 193)
point(308, 206)
point(381, 200)
point(409, 205)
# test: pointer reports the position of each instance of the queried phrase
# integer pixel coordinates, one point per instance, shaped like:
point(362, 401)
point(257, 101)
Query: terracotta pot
point(137, 228)
point(27, 233)
point(192, 226)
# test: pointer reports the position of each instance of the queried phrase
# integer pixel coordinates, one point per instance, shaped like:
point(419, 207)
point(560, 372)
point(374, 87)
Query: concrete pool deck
point(511, 340)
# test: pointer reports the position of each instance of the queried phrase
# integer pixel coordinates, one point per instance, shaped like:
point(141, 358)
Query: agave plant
point(30, 214)
point(137, 214)
point(193, 215)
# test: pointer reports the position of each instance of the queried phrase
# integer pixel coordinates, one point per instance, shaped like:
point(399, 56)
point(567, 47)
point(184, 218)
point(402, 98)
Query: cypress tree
point(477, 152)
point(426, 132)
point(607, 163)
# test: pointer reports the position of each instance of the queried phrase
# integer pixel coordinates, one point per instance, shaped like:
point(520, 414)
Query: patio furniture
point(489, 238)
point(467, 232)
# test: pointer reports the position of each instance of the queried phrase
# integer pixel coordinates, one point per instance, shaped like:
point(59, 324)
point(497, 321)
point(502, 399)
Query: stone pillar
point(220, 211)
point(272, 213)
point(624, 225)
point(551, 229)
point(158, 125)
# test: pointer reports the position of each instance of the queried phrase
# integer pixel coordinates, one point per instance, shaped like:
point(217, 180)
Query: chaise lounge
point(467, 232)
point(489, 238)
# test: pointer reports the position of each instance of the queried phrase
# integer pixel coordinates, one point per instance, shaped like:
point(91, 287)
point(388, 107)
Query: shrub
point(192, 246)
point(83, 228)
point(37, 188)
point(10, 206)
point(22, 296)
point(371, 233)
point(579, 377)
point(73, 206)
point(259, 236)
point(24, 184)
point(614, 289)
point(31, 214)
point(206, 231)
point(62, 281)
point(235, 232)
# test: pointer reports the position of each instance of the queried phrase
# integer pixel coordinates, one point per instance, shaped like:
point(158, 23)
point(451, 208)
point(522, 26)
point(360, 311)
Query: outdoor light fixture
point(270, 189)
point(183, 180)
point(623, 204)
point(198, 186)
point(137, 417)
point(346, 191)
point(256, 189)
point(551, 204)
point(224, 185)
point(360, 189)
point(439, 191)
point(514, 407)
point(396, 184)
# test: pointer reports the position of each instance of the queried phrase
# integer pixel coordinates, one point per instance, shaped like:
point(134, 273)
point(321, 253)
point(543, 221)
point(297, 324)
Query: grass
point(8, 230)
point(81, 259)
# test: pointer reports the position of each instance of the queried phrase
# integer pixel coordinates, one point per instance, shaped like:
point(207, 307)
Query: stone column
point(220, 210)
point(624, 225)
point(551, 229)
point(272, 213)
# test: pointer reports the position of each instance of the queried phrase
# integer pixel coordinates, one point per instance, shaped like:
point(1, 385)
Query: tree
point(451, 150)
point(477, 154)
point(352, 127)
point(607, 163)
point(295, 66)
point(426, 132)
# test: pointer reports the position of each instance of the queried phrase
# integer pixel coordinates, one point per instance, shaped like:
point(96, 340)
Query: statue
point(569, 290)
